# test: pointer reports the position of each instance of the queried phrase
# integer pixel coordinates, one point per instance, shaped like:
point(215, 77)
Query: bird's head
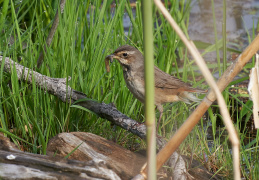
point(128, 56)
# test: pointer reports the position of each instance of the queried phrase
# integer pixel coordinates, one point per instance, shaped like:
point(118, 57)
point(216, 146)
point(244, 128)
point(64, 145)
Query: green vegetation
point(87, 32)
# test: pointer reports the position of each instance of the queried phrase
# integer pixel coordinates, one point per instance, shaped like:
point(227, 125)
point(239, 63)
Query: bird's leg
point(160, 109)
point(158, 123)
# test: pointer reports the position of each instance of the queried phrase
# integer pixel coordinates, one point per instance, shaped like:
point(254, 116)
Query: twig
point(51, 33)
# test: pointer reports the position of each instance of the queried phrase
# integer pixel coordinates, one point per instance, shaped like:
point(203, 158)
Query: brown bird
point(167, 88)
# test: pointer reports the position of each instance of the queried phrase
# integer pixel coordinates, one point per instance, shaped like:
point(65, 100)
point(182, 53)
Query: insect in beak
point(108, 59)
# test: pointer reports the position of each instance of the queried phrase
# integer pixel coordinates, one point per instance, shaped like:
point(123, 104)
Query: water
point(241, 16)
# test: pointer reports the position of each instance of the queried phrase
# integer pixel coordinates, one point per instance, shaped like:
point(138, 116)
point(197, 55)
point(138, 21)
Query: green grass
point(88, 31)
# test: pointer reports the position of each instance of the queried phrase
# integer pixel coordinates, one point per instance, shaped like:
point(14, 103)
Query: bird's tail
point(188, 97)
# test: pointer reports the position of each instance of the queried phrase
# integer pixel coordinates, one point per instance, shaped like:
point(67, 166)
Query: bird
point(167, 88)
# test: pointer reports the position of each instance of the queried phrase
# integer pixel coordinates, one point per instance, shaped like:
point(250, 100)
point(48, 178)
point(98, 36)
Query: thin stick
point(51, 33)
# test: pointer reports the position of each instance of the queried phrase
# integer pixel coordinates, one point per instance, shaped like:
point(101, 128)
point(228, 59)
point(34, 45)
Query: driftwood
point(92, 157)
point(124, 162)
point(15, 164)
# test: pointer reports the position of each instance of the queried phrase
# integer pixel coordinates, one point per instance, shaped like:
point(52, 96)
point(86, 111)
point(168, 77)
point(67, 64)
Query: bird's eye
point(125, 54)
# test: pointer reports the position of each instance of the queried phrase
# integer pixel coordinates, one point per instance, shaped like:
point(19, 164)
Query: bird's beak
point(110, 58)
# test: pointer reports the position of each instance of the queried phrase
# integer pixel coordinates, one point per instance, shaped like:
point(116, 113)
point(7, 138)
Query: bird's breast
point(135, 85)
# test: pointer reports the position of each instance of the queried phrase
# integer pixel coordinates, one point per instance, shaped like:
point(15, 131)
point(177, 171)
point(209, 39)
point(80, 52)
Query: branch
point(59, 88)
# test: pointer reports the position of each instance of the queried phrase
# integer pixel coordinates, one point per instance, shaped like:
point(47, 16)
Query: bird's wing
point(166, 81)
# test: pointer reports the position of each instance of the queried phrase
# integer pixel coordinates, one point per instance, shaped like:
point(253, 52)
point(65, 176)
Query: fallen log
point(90, 157)
point(15, 164)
